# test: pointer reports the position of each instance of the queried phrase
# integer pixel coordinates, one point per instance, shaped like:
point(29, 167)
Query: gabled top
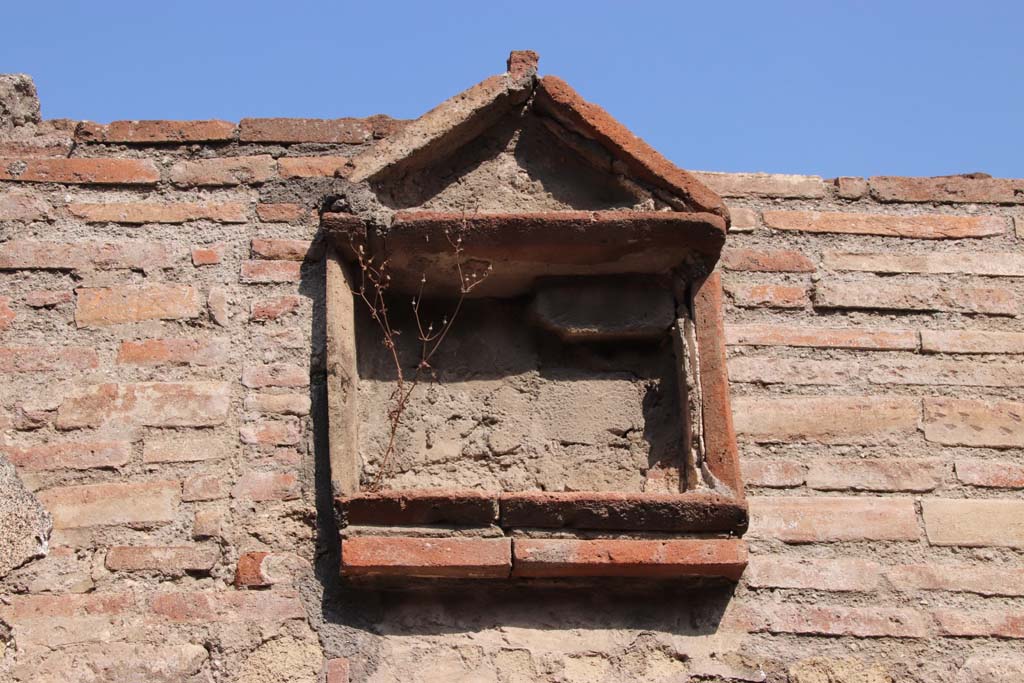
point(584, 127)
point(536, 183)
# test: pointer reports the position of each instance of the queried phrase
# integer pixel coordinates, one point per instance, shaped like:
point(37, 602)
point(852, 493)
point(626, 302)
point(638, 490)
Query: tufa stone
point(19, 103)
point(25, 524)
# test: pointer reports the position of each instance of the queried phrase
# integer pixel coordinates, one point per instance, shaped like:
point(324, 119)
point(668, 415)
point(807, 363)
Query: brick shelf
point(691, 511)
point(525, 558)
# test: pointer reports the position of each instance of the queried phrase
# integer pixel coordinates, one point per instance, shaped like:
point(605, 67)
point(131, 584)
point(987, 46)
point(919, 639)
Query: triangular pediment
point(518, 143)
point(534, 182)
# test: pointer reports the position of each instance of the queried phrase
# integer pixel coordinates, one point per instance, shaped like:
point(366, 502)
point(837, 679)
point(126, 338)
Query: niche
point(525, 342)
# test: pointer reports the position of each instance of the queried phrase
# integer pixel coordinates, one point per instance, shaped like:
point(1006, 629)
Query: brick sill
point(529, 558)
point(696, 511)
point(515, 557)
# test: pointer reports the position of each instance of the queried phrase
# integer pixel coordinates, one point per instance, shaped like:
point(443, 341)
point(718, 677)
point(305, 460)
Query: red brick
point(702, 511)
point(742, 219)
point(208, 523)
point(337, 670)
point(177, 351)
point(311, 167)
point(859, 622)
point(284, 213)
point(16, 205)
point(969, 263)
point(153, 404)
point(848, 187)
point(827, 519)
point(183, 449)
point(865, 339)
point(466, 558)
point(248, 573)
point(223, 172)
point(217, 304)
point(166, 559)
point(974, 523)
point(841, 575)
point(778, 474)
point(46, 255)
point(777, 261)
point(965, 422)
point(263, 486)
point(826, 419)
point(919, 227)
point(80, 171)
point(139, 213)
point(915, 295)
point(275, 375)
point(208, 255)
point(972, 189)
point(271, 432)
point(332, 131)
point(275, 307)
point(763, 185)
point(262, 569)
point(21, 607)
point(568, 557)
point(202, 607)
point(137, 255)
point(1000, 623)
point(278, 404)
point(143, 503)
point(983, 579)
point(271, 271)
point(876, 474)
point(48, 298)
point(971, 341)
point(133, 303)
point(284, 250)
point(420, 507)
point(204, 487)
point(58, 144)
point(943, 372)
point(767, 295)
point(551, 95)
point(69, 455)
point(156, 131)
point(1000, 474)
point(19, 359)
point(761, 370)
point(7, 316)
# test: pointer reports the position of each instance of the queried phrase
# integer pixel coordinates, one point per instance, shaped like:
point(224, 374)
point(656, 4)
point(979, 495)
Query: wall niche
point(526, 372)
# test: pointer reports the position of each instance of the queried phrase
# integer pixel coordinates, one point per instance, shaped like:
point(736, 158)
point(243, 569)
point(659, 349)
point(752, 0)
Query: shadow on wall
point(356, 619)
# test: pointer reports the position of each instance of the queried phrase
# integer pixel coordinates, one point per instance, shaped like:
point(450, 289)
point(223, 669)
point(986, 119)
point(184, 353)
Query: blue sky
point(832, 88)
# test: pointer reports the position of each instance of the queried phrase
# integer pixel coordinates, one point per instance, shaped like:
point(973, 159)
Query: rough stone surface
point(283, 660)
point(19, 103)
point(24, 524)
point(587, 311)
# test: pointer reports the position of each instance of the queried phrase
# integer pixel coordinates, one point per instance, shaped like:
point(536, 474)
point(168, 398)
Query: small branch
point(374, 284)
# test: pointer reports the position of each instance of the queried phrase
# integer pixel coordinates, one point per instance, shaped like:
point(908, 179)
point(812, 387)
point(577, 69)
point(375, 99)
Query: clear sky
point(824, 87)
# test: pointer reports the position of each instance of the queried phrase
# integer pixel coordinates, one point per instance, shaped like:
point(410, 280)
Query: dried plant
point(375, 281)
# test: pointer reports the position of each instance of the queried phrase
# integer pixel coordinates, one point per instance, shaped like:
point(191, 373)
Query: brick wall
point(162, 396)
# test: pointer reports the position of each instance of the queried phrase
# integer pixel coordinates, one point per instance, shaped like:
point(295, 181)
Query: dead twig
point(375, 280)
